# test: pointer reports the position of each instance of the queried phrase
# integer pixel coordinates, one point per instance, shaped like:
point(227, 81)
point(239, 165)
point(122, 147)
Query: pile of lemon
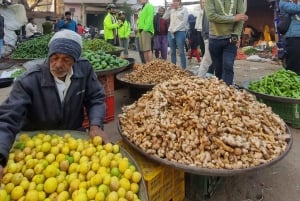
point(52, 167)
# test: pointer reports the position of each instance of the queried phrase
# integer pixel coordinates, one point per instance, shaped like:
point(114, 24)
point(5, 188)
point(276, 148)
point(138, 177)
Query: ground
point(279, 182)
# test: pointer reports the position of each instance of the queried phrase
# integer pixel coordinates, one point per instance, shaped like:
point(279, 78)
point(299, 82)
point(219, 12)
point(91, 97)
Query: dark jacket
point(1, 27)
point(34, 100)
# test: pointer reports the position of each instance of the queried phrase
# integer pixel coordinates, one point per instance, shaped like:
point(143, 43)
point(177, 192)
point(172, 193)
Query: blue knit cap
point(66, 42)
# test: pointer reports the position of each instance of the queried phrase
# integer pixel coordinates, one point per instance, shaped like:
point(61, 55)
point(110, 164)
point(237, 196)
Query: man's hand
point(240, 17)
point(97, 131)
point(1, 174)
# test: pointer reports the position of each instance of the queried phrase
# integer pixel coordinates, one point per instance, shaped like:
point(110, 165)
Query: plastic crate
point(107, 82)
point(110, 109)
point(200, 188)
point(163, 182)
point(289, 112)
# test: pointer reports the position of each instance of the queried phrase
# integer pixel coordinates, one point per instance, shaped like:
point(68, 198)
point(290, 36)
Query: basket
point(287, 108)
point(163, 183)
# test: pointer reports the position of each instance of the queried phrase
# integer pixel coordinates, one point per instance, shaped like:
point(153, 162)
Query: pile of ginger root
point(204, 123)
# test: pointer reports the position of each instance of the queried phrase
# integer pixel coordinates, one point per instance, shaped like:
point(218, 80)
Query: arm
point(76, 28)
point(238, 28)
point(167, 14)
point(12, 112)
point(108, 23)
point(61, 24)
point(289, 7)
point(149, 14)
point(128, 30)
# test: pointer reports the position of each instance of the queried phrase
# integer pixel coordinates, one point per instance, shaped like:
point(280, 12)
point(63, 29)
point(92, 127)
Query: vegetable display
point(204, 123)
point(284, 83)
point(97, 44)
point(33, 48)
point(17, 73)
point(103, 61)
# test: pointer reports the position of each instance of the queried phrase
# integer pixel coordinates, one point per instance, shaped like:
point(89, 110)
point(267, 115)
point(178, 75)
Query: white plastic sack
point(257, 58)
point(14, 16)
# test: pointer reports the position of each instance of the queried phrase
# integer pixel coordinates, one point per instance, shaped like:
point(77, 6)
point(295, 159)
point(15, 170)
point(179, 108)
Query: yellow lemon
point(54, 150)
point(24, 137)
point(39, 187)
point(91, 192)
point(100, 196)
point(76, 156)
point(17, 178)
point(74, 185)
point(112, 196)
point(73, 168)
point(81, 197)
point(46, 147)
point(3, 195)
point(65, 150)
point(8, 187)
point(61, 187)
point(108, 147)
point(7, 178)
point(129, 195)
point(123, 165)
point(106, 179)
point(25, 184)
point(103, 188)
point(12, 167)
point(31, 186)
point(105, 161)
point(39, 155)
point(73, 144)
point(38, 179)
point(96, 180)
point(95, 166)
point(121, 192)
point(50, 158)
point(29, 143)
point(83, 185)
point(97, 140)
point(63, 196)
point(32, 195)
point(115, 149)
point(42, 195)
point(136, 177)
point(128, 173)
point(17, 192)
point(50, 185)
point(90, 174)
point(115, 172)
point(38, 169)
point(54, 141)
point(134, 187)
point(84, 168)
point(124, 183)
point(50, 171)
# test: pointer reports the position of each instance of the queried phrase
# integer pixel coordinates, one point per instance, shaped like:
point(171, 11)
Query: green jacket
point(124, 30)
point(110, 27)
point(222, 24)
point(146, 16)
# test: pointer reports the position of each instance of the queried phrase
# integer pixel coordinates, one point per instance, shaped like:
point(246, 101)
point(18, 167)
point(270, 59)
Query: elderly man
point(53, 95)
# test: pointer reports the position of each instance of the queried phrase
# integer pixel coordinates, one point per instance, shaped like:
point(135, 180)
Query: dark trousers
point(201, 43)
point(293, 54)
point(223, 55)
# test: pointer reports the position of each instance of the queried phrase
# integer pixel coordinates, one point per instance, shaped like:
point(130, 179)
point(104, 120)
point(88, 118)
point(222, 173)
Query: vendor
point(53, 95)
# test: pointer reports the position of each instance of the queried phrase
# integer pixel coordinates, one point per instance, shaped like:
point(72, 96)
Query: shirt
point(178, 19)
point(63, 86)
point(30, 29)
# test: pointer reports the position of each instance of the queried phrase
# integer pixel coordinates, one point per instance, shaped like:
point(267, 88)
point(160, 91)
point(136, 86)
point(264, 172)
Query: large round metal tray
point(280, 99)
point(206, 171)
point(116, 52)
point(143, 195)
point(112, 70)
point(120, 76)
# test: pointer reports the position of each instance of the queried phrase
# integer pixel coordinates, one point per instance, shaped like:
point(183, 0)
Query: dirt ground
point(280, 182)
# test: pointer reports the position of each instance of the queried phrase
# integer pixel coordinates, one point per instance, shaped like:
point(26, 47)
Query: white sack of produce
point(204, 123)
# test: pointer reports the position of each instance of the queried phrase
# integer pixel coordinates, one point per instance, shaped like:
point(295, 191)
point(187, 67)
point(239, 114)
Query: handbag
point(284, 23)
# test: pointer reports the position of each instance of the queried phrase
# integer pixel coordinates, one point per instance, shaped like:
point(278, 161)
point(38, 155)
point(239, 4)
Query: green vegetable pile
point(284, 83)
point(17, 73)
point(97, 44)
point(103, 61)
point(33, 48)
point(250, 51)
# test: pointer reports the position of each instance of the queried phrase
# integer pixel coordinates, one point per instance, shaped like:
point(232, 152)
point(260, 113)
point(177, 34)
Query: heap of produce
point(154, 72)
point(204, 123)
point(103, 61)
point(18, 73)
point(52, 167)
point(97, 44)
point(33, 48)
point(284, 83)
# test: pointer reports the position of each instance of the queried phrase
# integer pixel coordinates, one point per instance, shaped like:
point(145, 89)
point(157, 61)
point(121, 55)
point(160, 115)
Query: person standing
point(67, 23)
point(47, 26)
point(1, 33)
point(124, 32)
point(146, 28)
point(111, 25)
point(226, 19)
point(160, 41)
point(137, 36)
point(292, 36)
point(178, 16)
point(206, 59)
point(198, 27)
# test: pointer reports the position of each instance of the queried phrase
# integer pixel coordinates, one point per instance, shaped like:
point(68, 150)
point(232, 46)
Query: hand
point(240, 17)
point(1, 175)
point(97, 131)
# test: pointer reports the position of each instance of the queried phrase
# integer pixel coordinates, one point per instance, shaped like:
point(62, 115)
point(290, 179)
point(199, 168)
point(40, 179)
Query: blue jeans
point(223, 54)
point(1, 44)
point(177, 41)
